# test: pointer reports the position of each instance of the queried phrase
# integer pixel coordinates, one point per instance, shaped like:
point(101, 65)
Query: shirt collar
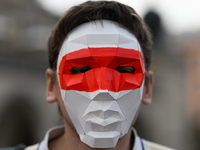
point(58, 130)
point(138, 142)
point(51, 134)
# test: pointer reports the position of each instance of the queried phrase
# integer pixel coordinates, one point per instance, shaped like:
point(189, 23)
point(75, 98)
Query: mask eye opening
point(78, 70)
point(125, 69)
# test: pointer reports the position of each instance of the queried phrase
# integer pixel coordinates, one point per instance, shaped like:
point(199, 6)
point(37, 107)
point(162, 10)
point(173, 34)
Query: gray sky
point(178, 16)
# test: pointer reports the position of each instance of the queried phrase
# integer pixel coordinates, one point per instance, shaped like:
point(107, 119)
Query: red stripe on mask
point(102, 75)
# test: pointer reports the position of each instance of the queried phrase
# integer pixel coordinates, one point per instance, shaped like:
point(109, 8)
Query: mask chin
point(101, 139)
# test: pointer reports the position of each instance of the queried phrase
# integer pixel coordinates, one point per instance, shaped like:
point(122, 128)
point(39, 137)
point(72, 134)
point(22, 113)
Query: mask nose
point(103, 96)
point(104, 77)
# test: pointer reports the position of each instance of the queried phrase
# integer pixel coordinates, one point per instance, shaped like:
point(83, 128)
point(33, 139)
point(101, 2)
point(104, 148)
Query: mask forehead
point(100, 44)
point(102, 33)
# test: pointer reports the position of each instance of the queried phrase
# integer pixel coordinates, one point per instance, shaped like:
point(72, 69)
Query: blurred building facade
point(24, 28)
point(192, 57)
point(166, 120)
point(191, 47)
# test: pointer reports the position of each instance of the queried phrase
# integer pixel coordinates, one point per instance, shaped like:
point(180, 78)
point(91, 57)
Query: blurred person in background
point(99, 55)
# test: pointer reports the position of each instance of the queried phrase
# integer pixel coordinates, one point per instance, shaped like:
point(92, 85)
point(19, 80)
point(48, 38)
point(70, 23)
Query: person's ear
point(148, 89)
point(50, 91)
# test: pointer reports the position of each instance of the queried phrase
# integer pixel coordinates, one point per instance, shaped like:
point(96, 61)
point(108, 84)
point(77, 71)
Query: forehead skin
point(102, 33)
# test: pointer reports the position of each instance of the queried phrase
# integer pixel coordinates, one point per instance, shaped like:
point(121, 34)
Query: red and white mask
point(101, 76)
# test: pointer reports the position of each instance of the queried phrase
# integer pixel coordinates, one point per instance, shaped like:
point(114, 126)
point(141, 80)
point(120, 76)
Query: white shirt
point(57, 131)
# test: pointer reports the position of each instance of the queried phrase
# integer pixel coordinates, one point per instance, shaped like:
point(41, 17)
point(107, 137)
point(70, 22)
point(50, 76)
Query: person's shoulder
point(154, 146)
point(32, 147)
point(18, 147)
point(22, 147)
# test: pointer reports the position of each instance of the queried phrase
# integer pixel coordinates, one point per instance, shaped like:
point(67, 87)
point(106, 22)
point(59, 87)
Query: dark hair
point(98, 10)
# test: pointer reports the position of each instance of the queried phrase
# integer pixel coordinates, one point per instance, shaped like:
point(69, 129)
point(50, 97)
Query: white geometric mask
point(100, 94)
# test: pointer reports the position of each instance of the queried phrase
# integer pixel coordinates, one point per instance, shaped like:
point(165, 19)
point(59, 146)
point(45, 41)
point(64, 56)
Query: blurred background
point(173, 118)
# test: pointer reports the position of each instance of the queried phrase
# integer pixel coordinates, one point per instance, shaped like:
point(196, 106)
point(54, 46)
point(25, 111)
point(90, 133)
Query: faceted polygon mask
point(101, 76)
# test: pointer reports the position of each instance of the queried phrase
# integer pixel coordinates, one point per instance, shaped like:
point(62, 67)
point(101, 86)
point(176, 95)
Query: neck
point(70, 140)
